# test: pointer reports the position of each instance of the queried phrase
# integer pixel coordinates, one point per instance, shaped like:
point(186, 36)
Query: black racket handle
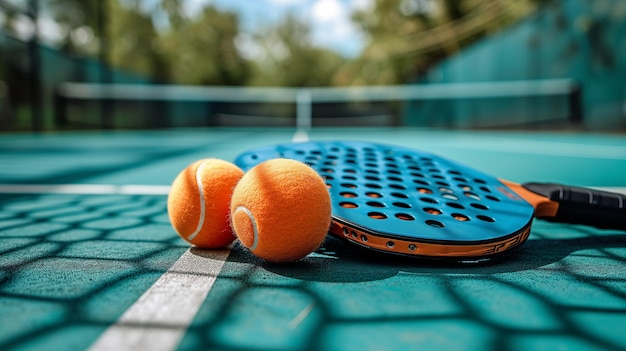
point(577, 205)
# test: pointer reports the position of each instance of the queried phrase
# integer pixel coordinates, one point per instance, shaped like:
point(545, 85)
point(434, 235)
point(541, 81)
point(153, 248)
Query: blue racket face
point(410, 202)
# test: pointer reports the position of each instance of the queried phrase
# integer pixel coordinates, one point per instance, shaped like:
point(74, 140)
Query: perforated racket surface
point(410, 202)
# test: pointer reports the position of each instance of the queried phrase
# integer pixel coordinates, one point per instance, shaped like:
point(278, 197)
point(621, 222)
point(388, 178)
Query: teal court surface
point(90, 261)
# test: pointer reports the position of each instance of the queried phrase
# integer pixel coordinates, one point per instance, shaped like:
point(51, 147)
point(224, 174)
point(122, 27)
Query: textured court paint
point(159, 319)
point(563, 289)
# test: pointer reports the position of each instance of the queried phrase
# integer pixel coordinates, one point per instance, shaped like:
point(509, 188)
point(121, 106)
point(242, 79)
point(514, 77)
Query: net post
point(576, 105)
point(304, 115)
point(59, 103)
point(34, 63)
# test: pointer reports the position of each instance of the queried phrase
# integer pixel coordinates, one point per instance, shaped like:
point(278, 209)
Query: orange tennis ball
point(281, 210)
point(198, 202)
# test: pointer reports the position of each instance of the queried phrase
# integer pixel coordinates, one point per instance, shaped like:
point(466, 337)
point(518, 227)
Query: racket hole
point(348, 194)
point(401, 205)
point(345, 231)
point(354, 234)
point(348, 177)
point(373, 195)
point(327, 177)
point(372, 171)
point(421, 182)
point(255, 157)
point(393, 171)
point(364, 238)
point(472, 195)
point(371, 164)
point(465, 187)
point(424, 191)
point(391, 244)
point(460, 217)
point(400, 195)
point(348, 185)
point(327, 170)
point(373, 186)
point(418, 175)
point(375, 204)
point(377, 215)
point(480, 181)
point(348, 205)
point(492, 198)
point(376, 179)
point(460, 179)
point(455, 205)
point(412, 247)
point(395, 179)
point(445, 190)
point(442, 184)
point(455, 172)
point(432, 211)
point(300, 152)
point(479, 206)
point(486, 218)
point(349, 170)
point(404, 217)
point(434, 223)
point(428, 200)
point(485, 189)
point(397, 186)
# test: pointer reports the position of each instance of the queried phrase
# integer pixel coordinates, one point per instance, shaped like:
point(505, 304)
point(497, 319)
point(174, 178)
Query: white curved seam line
point(202, 205)
point(255, 242)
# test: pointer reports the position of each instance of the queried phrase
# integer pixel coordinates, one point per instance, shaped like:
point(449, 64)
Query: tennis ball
point(198, 202)
point(280, 210)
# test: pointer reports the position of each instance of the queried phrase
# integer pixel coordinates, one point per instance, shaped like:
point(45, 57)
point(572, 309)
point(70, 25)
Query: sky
point(329, 19)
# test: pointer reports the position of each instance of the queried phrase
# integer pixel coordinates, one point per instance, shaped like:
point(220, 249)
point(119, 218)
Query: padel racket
point(410, 202)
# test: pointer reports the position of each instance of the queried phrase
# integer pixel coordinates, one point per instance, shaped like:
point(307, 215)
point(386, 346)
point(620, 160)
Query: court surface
point(89, 259)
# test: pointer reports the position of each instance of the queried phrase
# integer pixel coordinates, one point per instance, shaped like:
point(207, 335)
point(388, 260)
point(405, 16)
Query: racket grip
point(578, 205)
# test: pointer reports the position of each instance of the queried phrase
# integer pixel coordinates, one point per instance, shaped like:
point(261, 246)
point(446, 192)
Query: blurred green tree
point(286, 56)
point(202, 49)
point(406, 37)
point(194, 49)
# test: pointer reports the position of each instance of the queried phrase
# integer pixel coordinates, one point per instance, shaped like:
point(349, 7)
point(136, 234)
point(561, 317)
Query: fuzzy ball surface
point(198, 202)
point(281, 210)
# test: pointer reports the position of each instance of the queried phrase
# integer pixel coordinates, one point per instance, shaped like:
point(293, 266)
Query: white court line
point(84, 189)
point(161, 316)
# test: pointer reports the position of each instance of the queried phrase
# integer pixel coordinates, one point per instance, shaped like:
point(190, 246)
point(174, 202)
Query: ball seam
point(255, 240)
point(202, 205)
